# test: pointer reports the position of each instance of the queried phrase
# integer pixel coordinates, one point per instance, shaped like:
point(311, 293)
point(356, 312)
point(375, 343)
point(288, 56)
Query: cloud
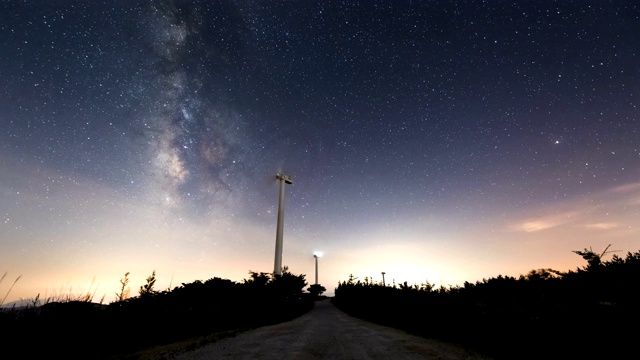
point(602, 226)
point(630, 193)
point(590, 213)
point(633, 187)
point(547, 222)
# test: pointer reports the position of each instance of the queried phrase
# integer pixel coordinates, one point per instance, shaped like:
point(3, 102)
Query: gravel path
point(328, 333)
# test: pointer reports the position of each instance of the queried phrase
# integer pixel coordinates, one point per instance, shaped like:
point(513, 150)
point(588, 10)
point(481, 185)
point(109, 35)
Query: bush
point(82, 329)
point(545, 312)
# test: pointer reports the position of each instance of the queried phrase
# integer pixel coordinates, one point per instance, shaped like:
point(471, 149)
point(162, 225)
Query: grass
point(68, 296)
point(155, 324)
point(167, 351)
point(10, 288)
point(60, 296)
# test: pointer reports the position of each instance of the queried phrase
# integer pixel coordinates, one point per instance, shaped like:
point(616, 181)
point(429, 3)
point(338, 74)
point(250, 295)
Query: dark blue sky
point(429, 139)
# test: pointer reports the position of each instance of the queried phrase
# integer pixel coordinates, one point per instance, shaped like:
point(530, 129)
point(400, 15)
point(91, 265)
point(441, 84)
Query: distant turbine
point(277, 267)
point(317, 255)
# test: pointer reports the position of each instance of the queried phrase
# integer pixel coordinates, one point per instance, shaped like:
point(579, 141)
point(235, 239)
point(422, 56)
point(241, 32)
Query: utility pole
point(383, 283)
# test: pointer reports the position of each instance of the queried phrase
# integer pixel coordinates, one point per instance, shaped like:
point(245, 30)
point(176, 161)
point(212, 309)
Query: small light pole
point(317, 255)
point(277, 266)
point(383, 283)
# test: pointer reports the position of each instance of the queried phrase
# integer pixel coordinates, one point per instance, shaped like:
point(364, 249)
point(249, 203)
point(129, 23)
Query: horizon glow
point(434, 142)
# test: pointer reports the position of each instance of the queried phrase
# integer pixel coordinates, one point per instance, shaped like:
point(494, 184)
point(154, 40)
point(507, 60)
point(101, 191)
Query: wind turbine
point(316, 255)
point(277, 266)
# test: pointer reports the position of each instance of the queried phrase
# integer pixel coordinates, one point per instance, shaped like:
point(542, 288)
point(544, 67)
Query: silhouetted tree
point(543, 274)
point(257, 280)
point(316, 290)
point(147, 289)
point(594, 260)
point(288, 284)
point(587, 306)
point(124, 291)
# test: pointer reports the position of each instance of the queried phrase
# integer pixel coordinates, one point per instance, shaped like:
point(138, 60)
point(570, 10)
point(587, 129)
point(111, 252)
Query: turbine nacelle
point(286, 178)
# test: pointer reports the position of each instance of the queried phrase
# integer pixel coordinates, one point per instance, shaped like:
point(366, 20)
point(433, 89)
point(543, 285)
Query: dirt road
point(328, 333)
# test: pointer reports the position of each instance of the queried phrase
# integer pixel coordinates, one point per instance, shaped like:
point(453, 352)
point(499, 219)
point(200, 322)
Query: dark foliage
point(85, 330)
point(584, 314)
point(316, 290)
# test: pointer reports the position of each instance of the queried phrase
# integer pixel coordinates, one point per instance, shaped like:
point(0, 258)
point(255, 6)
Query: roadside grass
point(64, 295)
point(168, 351)
point(10, 288)
point(156, 324)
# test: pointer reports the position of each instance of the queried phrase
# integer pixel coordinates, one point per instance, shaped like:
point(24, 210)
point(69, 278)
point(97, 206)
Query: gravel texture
point(328, 333)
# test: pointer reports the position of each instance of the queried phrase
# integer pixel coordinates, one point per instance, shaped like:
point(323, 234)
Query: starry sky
point(435, 141)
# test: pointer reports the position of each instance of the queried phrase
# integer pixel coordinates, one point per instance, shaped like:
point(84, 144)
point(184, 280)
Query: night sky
point(435, 141)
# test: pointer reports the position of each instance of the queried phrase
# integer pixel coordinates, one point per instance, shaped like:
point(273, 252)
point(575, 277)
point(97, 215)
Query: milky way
point(440, 141)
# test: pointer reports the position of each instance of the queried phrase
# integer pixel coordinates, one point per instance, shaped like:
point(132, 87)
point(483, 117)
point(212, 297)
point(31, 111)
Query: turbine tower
point(277, 267)
point(317, 255)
